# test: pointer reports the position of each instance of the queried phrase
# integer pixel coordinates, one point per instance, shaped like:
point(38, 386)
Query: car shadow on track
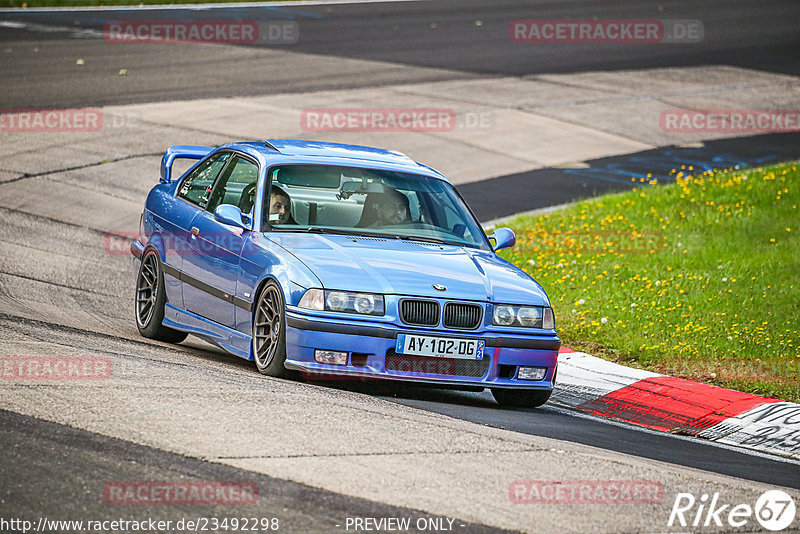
point(409, 394)
point(400, 392)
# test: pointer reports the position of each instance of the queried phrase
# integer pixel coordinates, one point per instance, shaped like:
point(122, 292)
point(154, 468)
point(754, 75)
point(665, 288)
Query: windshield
point(359, 201)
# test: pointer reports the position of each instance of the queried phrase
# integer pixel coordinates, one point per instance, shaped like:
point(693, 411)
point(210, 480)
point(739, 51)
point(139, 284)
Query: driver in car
point(280, 207)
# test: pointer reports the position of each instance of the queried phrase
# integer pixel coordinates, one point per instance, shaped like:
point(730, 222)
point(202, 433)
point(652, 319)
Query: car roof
point(320, 152)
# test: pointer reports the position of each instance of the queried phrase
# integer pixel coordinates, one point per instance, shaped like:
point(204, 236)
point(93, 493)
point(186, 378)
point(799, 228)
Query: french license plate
point(440, 347)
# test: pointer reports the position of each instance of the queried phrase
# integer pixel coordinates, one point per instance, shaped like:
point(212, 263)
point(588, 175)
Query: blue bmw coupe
point(339, 261)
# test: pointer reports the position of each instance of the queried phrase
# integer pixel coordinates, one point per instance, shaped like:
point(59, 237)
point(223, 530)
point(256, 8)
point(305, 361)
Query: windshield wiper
point(434, 240)
point(311, 230)
point(419, 238)
point(323, 230)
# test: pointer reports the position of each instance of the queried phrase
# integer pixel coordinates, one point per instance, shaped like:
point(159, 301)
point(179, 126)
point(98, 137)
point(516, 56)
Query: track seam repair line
point(73, 330)
point(79, 167)
point(63, 286)
point(7, 243)
point(383, 454)
point(59, 221)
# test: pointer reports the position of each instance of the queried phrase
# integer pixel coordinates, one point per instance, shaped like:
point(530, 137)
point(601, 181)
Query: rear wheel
point(150, 300)
point(269, 331)
point(520, 398)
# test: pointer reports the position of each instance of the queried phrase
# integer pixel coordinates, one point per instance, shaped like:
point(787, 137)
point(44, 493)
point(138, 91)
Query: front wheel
point(150, 300)
point(521, 398)
point(269, 331)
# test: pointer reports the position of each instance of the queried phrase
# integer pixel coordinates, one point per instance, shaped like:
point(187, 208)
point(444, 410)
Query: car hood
point(393, 266)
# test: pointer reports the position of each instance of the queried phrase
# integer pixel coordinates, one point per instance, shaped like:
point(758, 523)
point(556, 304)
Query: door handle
point(195, 231)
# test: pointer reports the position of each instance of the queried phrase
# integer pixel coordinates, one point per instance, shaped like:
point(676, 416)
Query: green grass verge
point(698, 279)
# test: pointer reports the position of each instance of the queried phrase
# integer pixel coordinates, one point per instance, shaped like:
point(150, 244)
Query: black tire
point(269, 331)
point(521, 398)
point(150, 300)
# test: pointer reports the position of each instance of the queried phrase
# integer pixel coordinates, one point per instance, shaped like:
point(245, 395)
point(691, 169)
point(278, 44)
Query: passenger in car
point(385, 209)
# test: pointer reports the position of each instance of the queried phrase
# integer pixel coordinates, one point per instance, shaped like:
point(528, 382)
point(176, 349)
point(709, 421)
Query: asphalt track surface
point(440, 40)
point(30, 446)
point(554, 422)
point(45, 462)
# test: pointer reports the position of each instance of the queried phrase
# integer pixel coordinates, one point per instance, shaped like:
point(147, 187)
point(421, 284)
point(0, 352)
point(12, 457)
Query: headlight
point(503, 315)
point(529, 317)
point(336, 300)
point(524, 316)
point(343, 301)
point(364, 303)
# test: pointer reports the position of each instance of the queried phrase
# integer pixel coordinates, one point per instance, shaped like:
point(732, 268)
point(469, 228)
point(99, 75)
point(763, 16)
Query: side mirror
point(503, 238)
point(232, 216)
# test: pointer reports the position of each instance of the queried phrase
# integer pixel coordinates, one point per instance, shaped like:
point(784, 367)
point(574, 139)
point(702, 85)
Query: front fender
point(262, 261)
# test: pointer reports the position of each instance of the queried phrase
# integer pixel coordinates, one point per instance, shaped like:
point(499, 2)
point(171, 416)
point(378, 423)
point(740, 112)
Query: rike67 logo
point(774, 510)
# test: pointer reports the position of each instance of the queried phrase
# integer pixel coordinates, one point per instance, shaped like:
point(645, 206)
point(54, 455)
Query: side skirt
point(226, 338)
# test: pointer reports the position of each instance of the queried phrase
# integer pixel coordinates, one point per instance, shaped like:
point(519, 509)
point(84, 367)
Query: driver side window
point(236, 186)
point(196, 187)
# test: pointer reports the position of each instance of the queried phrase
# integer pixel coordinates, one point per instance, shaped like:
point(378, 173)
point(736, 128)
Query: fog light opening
point(531, 373)
point(331, 357)
point(359, 359)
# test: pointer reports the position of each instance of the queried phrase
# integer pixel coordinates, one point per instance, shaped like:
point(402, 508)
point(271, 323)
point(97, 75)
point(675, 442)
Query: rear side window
point(196, 187)
point(236, 186)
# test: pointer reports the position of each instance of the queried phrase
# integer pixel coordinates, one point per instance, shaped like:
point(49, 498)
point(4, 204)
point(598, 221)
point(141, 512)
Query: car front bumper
point(370, 348)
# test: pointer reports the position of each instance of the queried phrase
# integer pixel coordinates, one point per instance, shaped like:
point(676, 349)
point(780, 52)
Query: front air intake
point(461, 315)
point(419, 312)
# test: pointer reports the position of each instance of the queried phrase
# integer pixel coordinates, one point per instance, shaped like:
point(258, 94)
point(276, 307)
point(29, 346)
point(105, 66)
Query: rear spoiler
point(180, 152)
